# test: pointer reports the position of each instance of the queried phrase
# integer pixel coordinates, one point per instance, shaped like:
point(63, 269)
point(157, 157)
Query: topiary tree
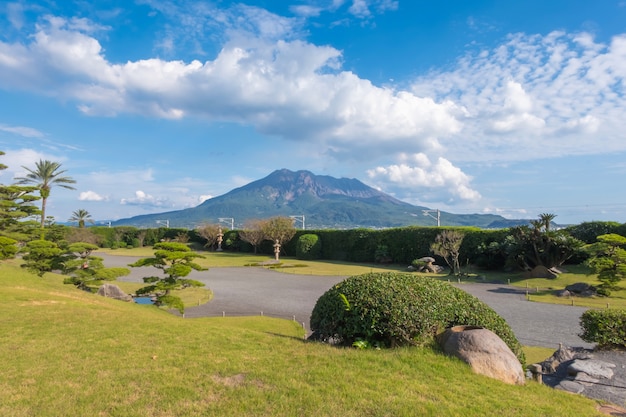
point(176, 261)
point(87, 271)
point(396, 309)
point(41, 256)
point(309, 246)
point(608, 261)
point(8, 248)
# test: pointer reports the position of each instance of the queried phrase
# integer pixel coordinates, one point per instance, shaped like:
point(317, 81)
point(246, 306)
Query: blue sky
point(512, 108)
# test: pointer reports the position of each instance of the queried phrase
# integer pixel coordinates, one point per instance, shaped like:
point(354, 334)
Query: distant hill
point(324, 201)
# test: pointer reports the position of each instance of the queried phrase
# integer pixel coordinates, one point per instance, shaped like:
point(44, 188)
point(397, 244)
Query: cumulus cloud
point(416, 176)
point(531, 96)
point(204, 197)
point(90, 196)
point(146, 200)
point(292, 89)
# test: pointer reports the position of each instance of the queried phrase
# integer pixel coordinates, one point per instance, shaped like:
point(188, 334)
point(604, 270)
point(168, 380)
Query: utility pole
point(438, 218)
point(300, 219)
point(165, 222)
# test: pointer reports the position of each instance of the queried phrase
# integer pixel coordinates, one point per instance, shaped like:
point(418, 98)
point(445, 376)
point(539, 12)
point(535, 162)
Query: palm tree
point(546, 219)
point(81, 216)
point(46, 175)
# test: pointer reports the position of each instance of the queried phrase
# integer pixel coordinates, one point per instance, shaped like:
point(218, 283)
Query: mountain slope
point(324, 201)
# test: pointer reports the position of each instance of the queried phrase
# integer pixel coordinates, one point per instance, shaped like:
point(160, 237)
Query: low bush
point(395, 309)
point(607, 328)
point(309, 247)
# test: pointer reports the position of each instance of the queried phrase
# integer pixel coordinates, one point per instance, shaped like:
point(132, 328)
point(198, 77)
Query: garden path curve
point(253, 291)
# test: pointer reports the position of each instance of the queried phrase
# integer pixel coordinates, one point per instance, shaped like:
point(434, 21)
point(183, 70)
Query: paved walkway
point(252, 291)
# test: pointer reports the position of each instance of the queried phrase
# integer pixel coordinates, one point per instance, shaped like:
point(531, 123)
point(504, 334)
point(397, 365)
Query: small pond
point(144, 300)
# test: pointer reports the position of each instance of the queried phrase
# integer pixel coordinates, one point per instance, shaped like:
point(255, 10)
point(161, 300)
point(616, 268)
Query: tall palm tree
point(547, 219)
point(81, 216)
point(46, 175)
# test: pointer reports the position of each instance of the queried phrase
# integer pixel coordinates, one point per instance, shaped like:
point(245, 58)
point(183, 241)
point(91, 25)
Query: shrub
point(395, 309)
point(607, 328)
point(309, 246)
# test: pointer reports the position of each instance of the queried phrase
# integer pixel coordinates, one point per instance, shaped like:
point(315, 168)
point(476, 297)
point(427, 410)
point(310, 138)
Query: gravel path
point(252, 291)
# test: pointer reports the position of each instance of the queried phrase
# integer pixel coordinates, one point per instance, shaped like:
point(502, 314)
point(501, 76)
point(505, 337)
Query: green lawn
point(65, 352)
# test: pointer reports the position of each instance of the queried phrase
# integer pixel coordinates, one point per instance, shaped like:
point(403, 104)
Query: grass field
point(65, 352)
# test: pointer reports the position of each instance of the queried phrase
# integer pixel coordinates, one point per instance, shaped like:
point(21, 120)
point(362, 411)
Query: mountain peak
point(327, 202)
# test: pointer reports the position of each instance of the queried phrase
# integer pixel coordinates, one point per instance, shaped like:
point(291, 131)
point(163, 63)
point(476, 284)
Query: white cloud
point(146, 200)
point(291, 89)
point(27, 132)
point(91, 196)
point(419, 178)
point(534, 96)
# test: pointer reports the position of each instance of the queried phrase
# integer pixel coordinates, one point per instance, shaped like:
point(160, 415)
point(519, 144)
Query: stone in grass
point(113, 291)
point(484, 351)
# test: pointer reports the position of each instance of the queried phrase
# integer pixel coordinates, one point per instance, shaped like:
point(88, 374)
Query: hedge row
point(402, 244)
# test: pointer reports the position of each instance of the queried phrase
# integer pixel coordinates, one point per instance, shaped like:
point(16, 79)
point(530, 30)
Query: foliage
point(81, 216)
point(589, 231)
point(176, 260)
point(309, 246)
point(394, 309)
point(448, 245)
point(253, 233)
point(527, 247)
point(608, 260)
point(210, 232)
point(381, 255)
point(607, 328)
point(86, 235)
point(45, 175)
point(16, 205)
point(279, 230)
point(8, 248)
point(41, 256)
point(87, 271)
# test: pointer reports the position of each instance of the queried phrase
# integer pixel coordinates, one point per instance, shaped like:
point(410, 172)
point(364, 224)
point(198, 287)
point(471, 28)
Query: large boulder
point(113, 291)
point(484, 351)
point(541, 271)
point(582, 289)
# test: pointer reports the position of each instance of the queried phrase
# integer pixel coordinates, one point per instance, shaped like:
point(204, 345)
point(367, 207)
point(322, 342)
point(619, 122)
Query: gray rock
point(580, 287)
point(563, 293)
point(484, 351)
point(113, 291)
point(592, 367)
point(570, 386)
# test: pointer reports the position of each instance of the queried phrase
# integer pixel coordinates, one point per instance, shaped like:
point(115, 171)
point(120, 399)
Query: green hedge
point(395, 309)
point(607, 328)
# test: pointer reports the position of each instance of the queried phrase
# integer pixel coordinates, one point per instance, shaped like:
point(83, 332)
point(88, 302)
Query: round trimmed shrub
point(607, 328)
point(309, 246)
point(398, 309)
